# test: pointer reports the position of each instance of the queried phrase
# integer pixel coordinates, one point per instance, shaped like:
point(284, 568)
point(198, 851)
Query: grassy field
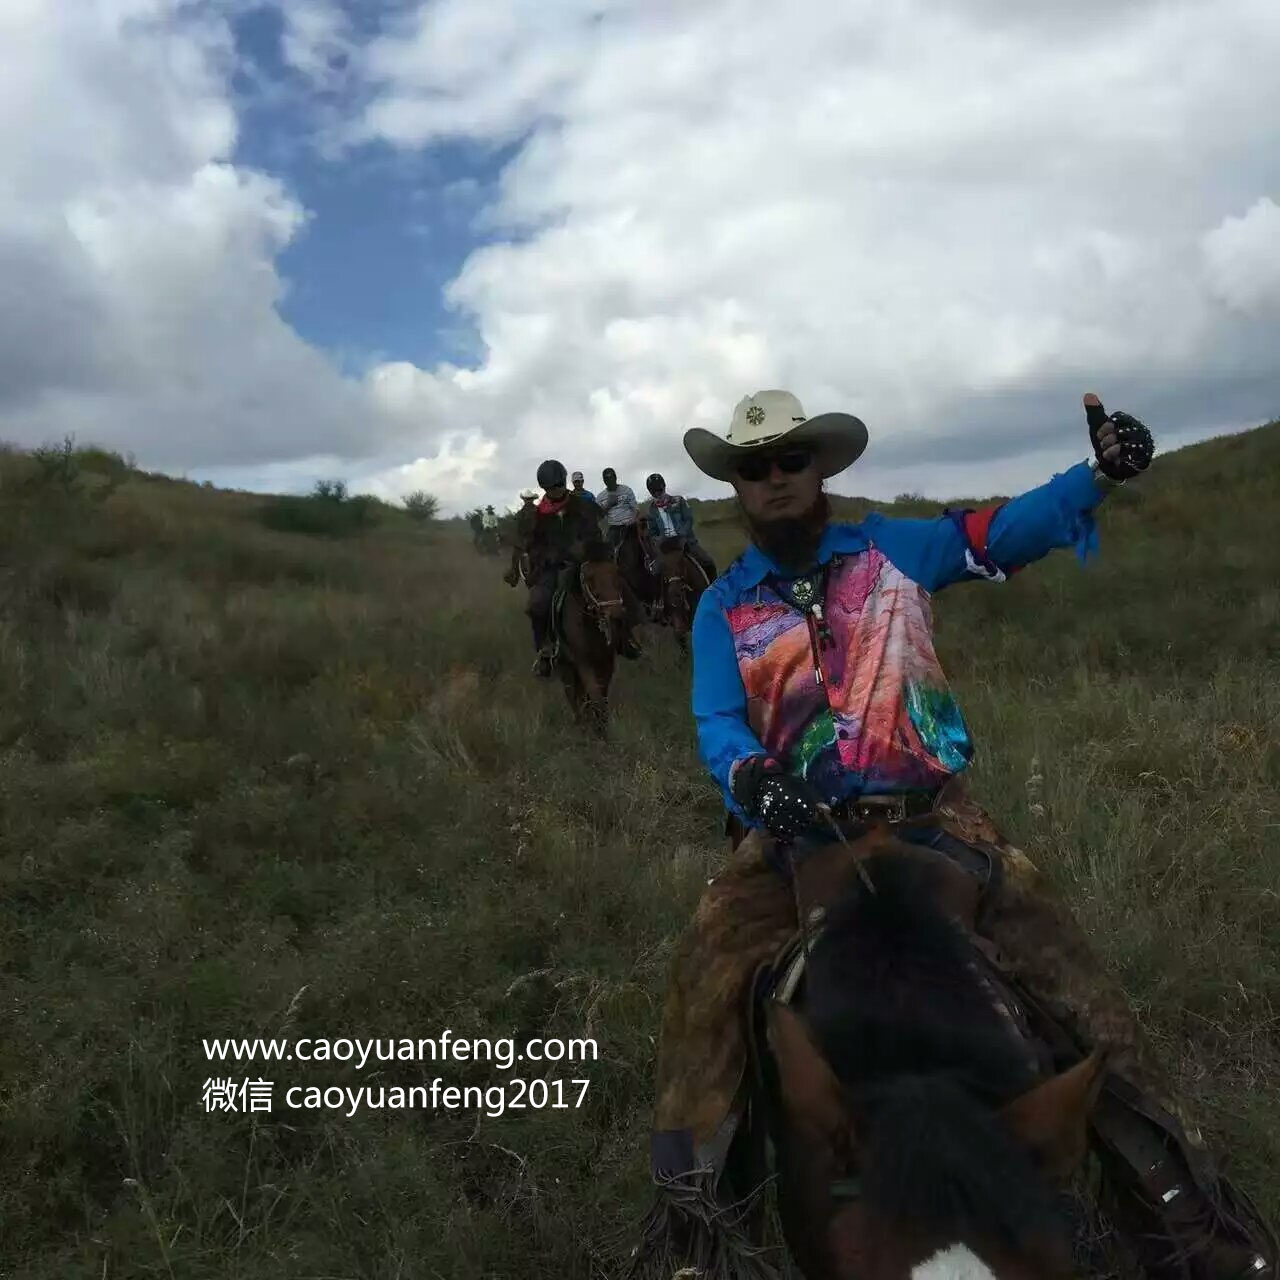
point(260, 783)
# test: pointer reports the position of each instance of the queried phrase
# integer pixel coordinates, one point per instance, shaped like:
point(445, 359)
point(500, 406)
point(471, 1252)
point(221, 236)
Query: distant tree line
point(329, 510)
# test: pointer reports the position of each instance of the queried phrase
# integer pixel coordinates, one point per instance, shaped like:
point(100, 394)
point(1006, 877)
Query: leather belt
point(894, 807)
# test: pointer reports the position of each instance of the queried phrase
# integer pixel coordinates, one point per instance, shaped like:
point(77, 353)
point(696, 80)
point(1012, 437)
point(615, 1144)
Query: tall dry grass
point(253, 783)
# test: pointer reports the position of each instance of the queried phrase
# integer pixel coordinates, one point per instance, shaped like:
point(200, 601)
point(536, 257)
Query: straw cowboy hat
point(776, 420)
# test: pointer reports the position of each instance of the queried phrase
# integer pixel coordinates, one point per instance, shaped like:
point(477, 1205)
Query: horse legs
point(584, 695)
point(594, 682)
point(573, 690)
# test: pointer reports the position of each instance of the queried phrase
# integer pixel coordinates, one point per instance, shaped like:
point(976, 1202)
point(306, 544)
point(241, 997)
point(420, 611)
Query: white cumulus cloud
point(952, 218)
point(1243, 258)
point(140, 259)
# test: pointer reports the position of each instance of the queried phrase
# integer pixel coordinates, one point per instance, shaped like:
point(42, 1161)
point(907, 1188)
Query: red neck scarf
point(548, 508)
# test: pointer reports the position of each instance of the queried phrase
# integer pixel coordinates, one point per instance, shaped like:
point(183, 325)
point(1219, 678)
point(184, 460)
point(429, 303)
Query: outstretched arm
point(725, 737)
point(996, 541)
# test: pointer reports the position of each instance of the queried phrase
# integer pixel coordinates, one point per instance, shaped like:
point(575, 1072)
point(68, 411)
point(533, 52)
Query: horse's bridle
point(679, 580)
point(595, 604)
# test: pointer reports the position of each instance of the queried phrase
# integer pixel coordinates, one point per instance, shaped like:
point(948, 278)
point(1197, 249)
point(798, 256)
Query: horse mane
point(948, 1165)
point(926, 1059)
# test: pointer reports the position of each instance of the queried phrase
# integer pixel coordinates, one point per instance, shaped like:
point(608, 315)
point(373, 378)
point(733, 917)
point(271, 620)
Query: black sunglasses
point(761, 467)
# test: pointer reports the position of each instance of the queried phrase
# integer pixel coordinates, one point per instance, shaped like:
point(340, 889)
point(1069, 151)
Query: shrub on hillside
point(63, 471)
point(103, 462)
point(330, 491)
point(421, 505)
point(326, 512)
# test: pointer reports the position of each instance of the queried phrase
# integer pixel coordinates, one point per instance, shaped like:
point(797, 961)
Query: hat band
point(751, 444)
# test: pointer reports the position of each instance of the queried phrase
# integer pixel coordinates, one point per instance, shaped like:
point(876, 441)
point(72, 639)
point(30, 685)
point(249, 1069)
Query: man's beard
point(792, 541)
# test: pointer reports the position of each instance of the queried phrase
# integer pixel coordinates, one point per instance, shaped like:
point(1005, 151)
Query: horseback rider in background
point(669, 517)
point(554, 534)
point(637, 559)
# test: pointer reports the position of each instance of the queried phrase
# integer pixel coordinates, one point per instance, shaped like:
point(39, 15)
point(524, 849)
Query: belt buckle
point(890, 808)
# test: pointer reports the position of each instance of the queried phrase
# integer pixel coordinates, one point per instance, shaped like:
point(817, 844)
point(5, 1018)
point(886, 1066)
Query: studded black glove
point(1137, 447)
point(786, 805)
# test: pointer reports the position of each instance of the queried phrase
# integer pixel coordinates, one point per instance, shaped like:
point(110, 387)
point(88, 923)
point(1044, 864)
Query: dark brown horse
point(637, 560)
point(683, 582)
point(588, 636)
point(915, 1136)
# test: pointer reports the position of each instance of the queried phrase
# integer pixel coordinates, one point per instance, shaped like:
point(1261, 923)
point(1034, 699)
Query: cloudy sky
point(427, 244)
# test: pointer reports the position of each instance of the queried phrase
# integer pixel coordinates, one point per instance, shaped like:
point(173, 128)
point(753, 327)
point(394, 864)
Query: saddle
point(570, 575)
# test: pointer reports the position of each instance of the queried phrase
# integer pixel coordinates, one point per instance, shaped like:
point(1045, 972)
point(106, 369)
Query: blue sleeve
point(719, 700)
point(936, 553)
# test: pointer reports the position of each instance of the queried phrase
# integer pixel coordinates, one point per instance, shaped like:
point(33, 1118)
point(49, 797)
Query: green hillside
point(263, 782)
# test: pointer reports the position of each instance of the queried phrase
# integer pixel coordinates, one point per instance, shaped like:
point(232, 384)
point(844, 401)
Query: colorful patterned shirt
point(856, 701)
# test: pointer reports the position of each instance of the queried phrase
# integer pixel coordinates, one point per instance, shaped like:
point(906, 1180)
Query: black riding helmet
point(552, 475)
point(655, 483)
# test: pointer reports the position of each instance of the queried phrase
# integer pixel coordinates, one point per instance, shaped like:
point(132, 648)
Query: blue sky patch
point(388, 228)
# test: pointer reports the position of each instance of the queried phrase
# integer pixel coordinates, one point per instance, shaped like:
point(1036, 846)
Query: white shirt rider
point(618, 502)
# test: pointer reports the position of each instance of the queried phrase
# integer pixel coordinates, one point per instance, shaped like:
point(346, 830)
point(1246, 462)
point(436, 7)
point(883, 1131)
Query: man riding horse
point(489, 531)
point(636, 556)
point(618, 502)
point(553, 535)
point(670, 517)
point(823, 714)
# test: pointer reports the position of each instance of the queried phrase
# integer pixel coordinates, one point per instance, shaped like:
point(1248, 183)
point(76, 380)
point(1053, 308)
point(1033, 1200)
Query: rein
point(681, 582)
point(680, 587)
point(594, 603)
point(848, 1187)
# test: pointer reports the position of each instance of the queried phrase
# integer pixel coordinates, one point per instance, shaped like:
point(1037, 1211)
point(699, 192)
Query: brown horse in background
point(588, 628)
point(637, 560)
point(683, 582)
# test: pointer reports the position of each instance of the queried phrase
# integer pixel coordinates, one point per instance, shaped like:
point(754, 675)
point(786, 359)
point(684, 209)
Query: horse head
point(601, 584)
point(914, 1143)
point(677, 590)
